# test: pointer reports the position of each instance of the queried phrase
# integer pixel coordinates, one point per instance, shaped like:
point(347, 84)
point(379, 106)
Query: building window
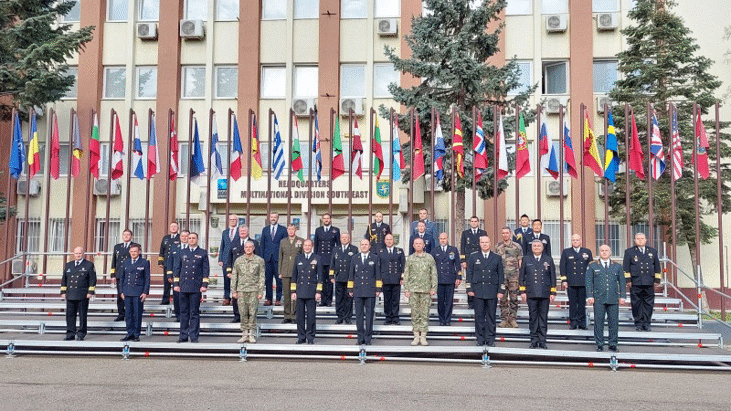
point(615, 238)
point(146, 82)
point(115, 82)
point(605, 75)
point(74, 15)
point(196, 9)
point(519, 7)
point(227, 81)
point(194, 82)
point(112, 234)
point(388, 8)
point(552, 228)
point(63, 159)
point(554, 6)
point(56, 233)
point(104, 160)
point(194, 226)
point(72, 92)
point(273, 82)
point(137, 225)
point(600, 6)
point(525, 72)
point(383, 75)
point(352, 80)
point(34, 235)
point(306, 9)
point(305, 81)
point(555, 74)
point(227, 10)
point(184, 159)
point(274, 9)
point(266, 154)
point(353, 9)
point(117, 10)
point(149, 10)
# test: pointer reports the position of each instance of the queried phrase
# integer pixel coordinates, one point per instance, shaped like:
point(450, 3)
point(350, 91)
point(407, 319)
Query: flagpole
point(606, 183)
point(496, 166)
point(250, 166)
point(330, 188)
point(517, 180)
point(68, 181)
point(719, 206)
point(309, 175)
point(433, 164)
point(49, 137)
point(411, 180)
point(132, 114)
point(697, 262)
point(561, 142)
point(7, 202)
point(112, 113)
point(228, 174)
point(211, 113)
point(582, 111)
point(391, 185)
point(350, 174)
point(452, 228)
point(27, 193)
point(539, 171)
point(147, 183)
point(651, 194)
point(289, 174)
point(674, 247)
point(190, 163)
point(474, 170)
point(89, 188)
point(167, 169)
point(370, 174)
point(628, 219)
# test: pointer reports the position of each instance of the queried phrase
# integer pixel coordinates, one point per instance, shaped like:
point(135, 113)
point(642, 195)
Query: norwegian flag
point(677, 149)
point(480, 161)
point(657, 161)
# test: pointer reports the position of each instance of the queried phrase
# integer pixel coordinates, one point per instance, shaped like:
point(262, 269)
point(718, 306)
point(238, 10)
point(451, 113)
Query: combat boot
point(422, 338)
point(514, 323)
point(416, 338)
point(504, 324)
point(251, 336)
point(244, 337)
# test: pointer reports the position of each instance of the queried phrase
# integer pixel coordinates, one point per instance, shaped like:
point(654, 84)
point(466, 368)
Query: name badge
point(586, 256)
point(477, 262)
point(370, 262)
point(350, 253)
point(650, 254)
point(571, 257)
point(546, 265)
point(300, 263)
point(451, 256)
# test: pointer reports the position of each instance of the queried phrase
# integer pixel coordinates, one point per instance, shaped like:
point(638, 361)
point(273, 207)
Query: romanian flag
point(34, 155)
point(256, 168)
point(522, 157)
point(611, 159)
point(77, 147)
point(338, 165)
point(591, 152)
point(457, 146)
point(55, 149)
point(377, 151)
point(296, 152)
point(94, 151)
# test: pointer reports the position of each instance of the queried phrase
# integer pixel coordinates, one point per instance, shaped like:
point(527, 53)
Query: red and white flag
point(174, 165)
point(118, 157)
point(701, 142)
point(357, 152)
point(676, 148)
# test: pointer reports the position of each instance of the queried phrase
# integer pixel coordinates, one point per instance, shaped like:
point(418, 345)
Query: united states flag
point(657, 161)
point(677, 149)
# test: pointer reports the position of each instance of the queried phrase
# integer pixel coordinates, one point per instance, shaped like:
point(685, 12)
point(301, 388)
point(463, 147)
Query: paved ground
point(32, 383)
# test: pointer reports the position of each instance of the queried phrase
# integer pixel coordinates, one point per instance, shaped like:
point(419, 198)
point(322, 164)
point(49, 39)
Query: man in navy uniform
point(449, 274)
point(536, 234)
point(364, 285)
point(191, 280)
point(339, 271)
point(135, 278)
point(572, 267)
point(422, 233)
point(306, 289)
point(392, 260)
point(538, 287)
point(522, 230)
point(228, 237)
point(327, 238)
point(170, 266)
point(236, 250)
point(486, 283)
point(119, 254)
point(271, 236)
point(605, 289)
point(168, 243)
point(642, 270)
point(469, 244)
point(377, 232)
point(429, 226)
point(77, 286)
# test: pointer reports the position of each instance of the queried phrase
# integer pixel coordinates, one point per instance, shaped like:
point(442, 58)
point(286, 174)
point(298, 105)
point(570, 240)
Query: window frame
point(526, 13)
point(352, 65)
point(615, 9)
point(519, 90)
point(317, 11)
point(295, 94)
point(375, 9)
point(565, 10)
point(137, 83)
point(594, 65)
point(184, 75)
point(215, 82)
point(550, 63)
point(106, 82)
point(140, 8)
point(283, 95)
point(398, 79)
point(218, 12)
point(75, 87)
point(77, 7)
point(186, 11)
point(284, 17)
point(110, 3)
point(365, 10)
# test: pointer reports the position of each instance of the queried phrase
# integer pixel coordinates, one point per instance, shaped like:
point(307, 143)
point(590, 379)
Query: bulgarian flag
point(297, 153)
point(338, 166)
point(377, 151)
point(118, 157)
point(94, 151)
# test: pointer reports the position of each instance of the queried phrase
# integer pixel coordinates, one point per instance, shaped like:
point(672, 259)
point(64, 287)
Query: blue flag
point(440, 150)
point(611, 159)
point(278, 162)
point(216, 166)
point(17, 154)
point(137, 157)
point(197, 168)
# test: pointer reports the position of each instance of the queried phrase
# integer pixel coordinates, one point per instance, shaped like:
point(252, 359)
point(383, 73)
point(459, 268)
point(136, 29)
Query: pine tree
point(659, 66)
point(34, 48)
point(451, 45)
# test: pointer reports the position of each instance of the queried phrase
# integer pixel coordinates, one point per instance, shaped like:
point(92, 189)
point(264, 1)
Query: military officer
point(469, 244)
point(191, 280)
point(168, 243)
point(431, 229)
point(377, 232)
point(538, 287)
point(486, 283)
point(339, 272)
point(392, 260)
point(512, 254)
point(522, 230)
point(306, 289)
point(289, 249)
point(119, 254)
point(170, 266)
point(236, 250)
point(572, 267)
point(536, 234)
point(77, 286)
point(327, 239)
point(420, 283)
point(426, 238)
point(605, 289)
point(271, 236)
point(135, 278)
point(247, 283)
point(364, 285)
point(228, 237)
point(642, 270)
point(449, 276)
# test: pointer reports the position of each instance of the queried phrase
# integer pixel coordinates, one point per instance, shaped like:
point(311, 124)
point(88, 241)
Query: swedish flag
point(611, 159)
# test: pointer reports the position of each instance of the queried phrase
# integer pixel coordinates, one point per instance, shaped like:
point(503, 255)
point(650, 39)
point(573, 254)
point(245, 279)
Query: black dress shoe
point(348, 322)
point(126, 338)
point(235, 320)
point(490, 344)
point(600, 348)
point(136, 339)
point(648, 328)
point(448, 323)
point(534, 345)
point(300, 341)
point(638, 328)
point(396, 322)
point(68, 338)
point(387, 322)
point(310, 342)
point(573, 327)
point(543, 346)
point(582, 328)
point(80, 337)
point(480, 343)
point(165, 302)
point(177, 319)
point(182, 340)
point(119, 318)
point(613, 348)
point(339, 322)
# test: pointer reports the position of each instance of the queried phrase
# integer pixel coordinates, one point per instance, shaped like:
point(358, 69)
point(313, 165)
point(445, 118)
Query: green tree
point(451, 45)
point(661, 65)
point(34, 48)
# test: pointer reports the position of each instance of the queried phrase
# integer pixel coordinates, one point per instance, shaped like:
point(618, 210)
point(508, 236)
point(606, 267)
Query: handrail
point(705, 287)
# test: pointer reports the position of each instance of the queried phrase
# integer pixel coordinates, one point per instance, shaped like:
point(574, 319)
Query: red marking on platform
point(651, 340)
point(166, 332)
point(568, 322)
point(460, 319)
point(591, 364)
point(147, 353)
point(40, 284)
point(558, 305)
point(665, 308)
point(350, 335)
point(665, 270)
point(152, 314)
point(700, 345)
point(700, 296)
point(632, 366)
point(382, 359)
point(680, 324)
point(50, 313)
point(462, 338)
point(502, 339)
point(342, 357)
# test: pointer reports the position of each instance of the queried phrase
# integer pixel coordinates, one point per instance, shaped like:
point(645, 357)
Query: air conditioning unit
point(355, 103)
point(600, 189)
point(387, 27)
point(147, 31)
point(601, 101)
point(607, 21)
point(100, 187)
point(302, 106)
point(553, 188)
point(18, 267)
point(192, 29)
point(556, 23)
point(33, 190)
point(553, 104)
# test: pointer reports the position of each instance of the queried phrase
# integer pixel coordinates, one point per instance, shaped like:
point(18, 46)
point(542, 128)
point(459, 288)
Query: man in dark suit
point(421, 233)
point(642, 269)
point(572, 267)
point(605, 289)
point(77, 286)
point(170, 267)
point(449, 274)
point(271, 236)
point(377, 232)
point(470, 243)
point(228, 237)
point(191, 281)
point(522, 230)
point(119, 254)
point(306, 289)
point(538, 287)
point(327, 238)
point(236, 250)
point(135, 278)
point(536, 234)
point(430, 227)
point(392, 261)
point(168, 243)
point(339, 271)
point(486, 283)
point(364, 285)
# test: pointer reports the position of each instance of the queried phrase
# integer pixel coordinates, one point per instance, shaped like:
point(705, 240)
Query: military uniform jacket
point(135, 277)
point(528, 239)
point(340, 263)
point(470, 242)
point(236, 250)
point(392, 265)
point(287, 253)
point(485, 276)
point(511, 255)
point(224, 250)
point(306, 274)
point(430, 228)
point(326, 242)
point(641, 269)
point(449, 265)
point(605, 285)
point(119, 254)
point(171, 261)
point(428, 242)
point(537, 278)
point(518, 234)
point(191, 270)
point(573, 266)
point(420, 273)
point(269, 245)
point(77, 282)
point(377, 235)
point(364, 279)
point(167, 245)
point(248, 274)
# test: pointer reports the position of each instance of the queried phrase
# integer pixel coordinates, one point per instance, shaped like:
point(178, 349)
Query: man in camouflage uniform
point(247, 283)
point(420, 283)
point(512, 254)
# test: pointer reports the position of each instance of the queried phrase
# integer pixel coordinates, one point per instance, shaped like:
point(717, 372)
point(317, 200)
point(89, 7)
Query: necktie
point(77, 263)
point(272, 231)
point(231, 235)
point(474, 232)
point(364, 258)
point(444, 249)
point(485, 254)
point(390, 251)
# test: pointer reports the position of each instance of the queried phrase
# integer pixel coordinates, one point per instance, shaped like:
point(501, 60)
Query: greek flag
point(278, 162)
